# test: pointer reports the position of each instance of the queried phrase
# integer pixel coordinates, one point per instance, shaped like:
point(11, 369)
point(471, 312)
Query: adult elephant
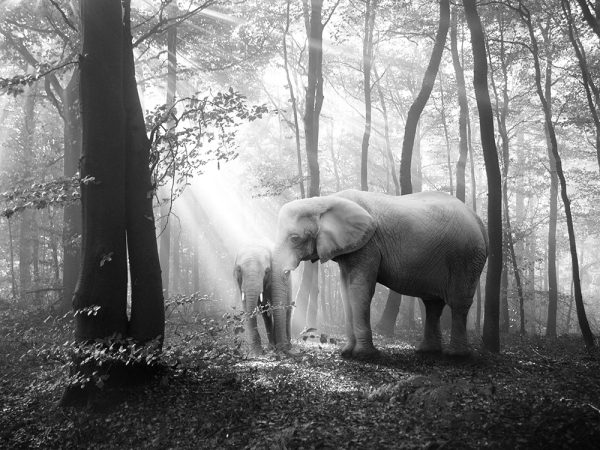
point(427, 245)
point(252, 272)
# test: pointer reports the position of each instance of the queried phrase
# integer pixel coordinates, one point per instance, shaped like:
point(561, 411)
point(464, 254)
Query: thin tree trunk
point(491, 334)
point(367, 59)
point(314, 94)
point(386, 133)
point(419, 103)
point(293, 99)
point(474, 206)
point(446, 136)
point(553, 218)
point(26, 232)
point(586, 332)
point(166, 195)
point(12, 261)
point(387, 322)
point(463, 110)
point(72, 212)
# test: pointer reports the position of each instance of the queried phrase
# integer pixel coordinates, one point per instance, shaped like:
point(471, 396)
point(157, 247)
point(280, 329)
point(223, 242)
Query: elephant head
point(318, 228)
point(252, 272)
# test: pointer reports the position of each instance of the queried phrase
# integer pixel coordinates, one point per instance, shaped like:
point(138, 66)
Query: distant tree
point(463, 108)
point(414, 113)
point(586, 332)
point(367, 64)
point(491, 332)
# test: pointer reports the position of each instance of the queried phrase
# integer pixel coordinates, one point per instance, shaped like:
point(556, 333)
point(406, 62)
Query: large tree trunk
point(147, 302)
point(586, 332)
point(491, 332)
point(414, 113)
point(367, 60)
point(103, 278)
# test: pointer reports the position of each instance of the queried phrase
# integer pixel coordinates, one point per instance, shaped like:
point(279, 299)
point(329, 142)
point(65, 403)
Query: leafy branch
point(16, 84)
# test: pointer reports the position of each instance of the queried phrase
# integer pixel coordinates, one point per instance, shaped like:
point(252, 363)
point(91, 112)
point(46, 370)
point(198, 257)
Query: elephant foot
point(365, 353)
point(458, 350)
point(360, 352)
point(429, 347)
point(255, 352)
point(347, 350)
point(293, 353)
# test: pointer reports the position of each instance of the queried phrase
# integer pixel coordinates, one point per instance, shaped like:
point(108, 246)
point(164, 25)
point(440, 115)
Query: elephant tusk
point(260, 299)
point(243, 297)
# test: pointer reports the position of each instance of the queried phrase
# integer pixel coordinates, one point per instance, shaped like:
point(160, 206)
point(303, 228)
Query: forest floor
point(536, 393)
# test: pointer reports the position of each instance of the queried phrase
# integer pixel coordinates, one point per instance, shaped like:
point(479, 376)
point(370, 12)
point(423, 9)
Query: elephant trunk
point(280, 291)
point(250, 298)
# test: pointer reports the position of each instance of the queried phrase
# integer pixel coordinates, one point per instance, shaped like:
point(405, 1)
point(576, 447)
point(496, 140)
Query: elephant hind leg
point(459, 345)
point(347, 349)
point(432, 336)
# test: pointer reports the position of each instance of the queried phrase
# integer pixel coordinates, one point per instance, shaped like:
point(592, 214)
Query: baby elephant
point(252, 272)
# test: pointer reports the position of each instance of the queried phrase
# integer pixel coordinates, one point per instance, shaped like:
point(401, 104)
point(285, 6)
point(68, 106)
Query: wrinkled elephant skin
point(428, 245)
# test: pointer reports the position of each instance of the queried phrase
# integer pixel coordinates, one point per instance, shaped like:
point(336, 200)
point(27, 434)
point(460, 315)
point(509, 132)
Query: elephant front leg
point(351, 339)
point(252, 337)
point(269, 327)
point(360, 287)
point(459, 345)
point(432, 336)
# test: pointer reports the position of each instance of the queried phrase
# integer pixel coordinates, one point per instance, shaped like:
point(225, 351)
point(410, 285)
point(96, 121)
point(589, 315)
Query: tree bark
point(367, 61)
point(414, 113)
point(147, 302)
point(103, 278)
point(491, 332)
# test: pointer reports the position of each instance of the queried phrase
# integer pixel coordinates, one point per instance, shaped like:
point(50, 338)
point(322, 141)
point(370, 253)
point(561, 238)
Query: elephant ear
point(344, 227)
point(237, 274)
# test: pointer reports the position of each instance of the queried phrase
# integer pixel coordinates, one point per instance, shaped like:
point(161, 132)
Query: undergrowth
point(537, 393)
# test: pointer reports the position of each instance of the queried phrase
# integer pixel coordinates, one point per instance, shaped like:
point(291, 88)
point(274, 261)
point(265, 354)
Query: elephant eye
point(286, 274)
point(295, 238)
